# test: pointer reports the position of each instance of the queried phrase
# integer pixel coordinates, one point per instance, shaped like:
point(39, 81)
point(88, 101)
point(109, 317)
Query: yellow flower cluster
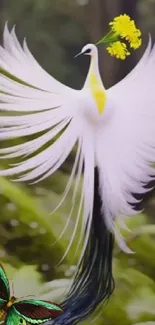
point(119, 50)
point(124, 27)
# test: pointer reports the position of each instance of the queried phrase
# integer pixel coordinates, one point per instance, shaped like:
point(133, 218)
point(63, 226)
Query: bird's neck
point(93, 69)
point(94, 84)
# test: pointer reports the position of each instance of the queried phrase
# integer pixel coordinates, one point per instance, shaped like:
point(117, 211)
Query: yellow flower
point(135, 44)
point(124, 27)
point(119, 50)
point(134, 39)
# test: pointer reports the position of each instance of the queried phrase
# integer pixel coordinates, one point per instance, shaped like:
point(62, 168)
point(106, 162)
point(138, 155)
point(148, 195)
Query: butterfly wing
point(3, 302)
point(14, 318)
point(37, 311)
point(4, 286)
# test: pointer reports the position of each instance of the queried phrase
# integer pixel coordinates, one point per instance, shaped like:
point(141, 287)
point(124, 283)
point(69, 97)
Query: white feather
point(121, 143)
point(46, 106)
point(49, 159)
point(126, 145)
point(77, 163)
point(21, 63)
point(88, 151)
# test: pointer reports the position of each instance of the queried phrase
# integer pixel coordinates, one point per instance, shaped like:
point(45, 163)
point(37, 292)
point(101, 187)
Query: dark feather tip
point(93, 283)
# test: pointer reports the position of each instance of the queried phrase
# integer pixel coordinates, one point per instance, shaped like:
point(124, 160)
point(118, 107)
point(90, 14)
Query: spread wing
point(4, 287)
point(43, 107)
point(19, 62)
point(13, 318)
point(37, 311)
point(126, 146)
point(51, 111)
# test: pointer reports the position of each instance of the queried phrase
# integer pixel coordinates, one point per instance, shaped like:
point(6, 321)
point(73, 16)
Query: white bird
point(114, 130)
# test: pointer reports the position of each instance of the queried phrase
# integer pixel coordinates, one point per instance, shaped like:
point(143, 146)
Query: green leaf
point(30, 213)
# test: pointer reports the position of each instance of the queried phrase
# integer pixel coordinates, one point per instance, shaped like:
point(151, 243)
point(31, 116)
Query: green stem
point(109, 38)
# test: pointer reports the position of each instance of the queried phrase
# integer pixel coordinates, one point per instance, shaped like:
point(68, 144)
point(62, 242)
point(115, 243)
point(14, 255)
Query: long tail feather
point(93, 282)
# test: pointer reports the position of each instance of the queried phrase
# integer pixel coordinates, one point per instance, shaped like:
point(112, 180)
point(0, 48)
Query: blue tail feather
point(94, 271)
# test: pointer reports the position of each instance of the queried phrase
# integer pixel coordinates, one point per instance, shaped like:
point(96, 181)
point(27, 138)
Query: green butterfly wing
point(3, 302)
point(14, 319)
point(4, 285)
point(37, 311)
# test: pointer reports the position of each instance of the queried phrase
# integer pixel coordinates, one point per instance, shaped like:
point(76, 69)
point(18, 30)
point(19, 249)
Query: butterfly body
point(3, 315)
point(10, 302)
point(14, 311)
point(4, 310)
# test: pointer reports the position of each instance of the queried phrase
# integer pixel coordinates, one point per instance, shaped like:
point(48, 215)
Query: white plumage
point(120, 142)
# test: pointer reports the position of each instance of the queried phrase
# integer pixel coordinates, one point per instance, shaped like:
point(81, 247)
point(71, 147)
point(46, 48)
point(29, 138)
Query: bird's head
point(89, 49)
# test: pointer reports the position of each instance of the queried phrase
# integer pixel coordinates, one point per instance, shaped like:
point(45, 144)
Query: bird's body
point(114, 130)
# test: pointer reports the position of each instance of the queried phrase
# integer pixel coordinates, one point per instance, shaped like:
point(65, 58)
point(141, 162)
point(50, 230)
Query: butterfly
point(14, 311)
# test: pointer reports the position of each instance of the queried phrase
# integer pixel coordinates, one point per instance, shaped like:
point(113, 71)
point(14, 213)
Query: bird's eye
point(87, 51)
point(21, 320)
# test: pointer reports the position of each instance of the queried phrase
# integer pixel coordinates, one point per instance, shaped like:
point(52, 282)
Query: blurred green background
point(29, 246)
